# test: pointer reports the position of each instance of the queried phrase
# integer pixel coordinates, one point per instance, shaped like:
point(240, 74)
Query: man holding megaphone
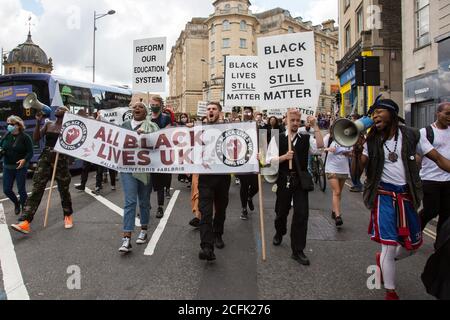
point(393, 189)
point(43, 173)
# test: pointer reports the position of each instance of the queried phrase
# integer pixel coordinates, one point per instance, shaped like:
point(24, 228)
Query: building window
point(331, 60)
point(347, 38)
point(423, 22)
point(243, 25)
point(227, 7)
point(323, 44)
point(323, 88)
point(30, 70)
point(243, 44)
point(290, 30)
point(213, 62)
point(331, 74)
point(323, 73)
point(24, 70)
point(323, 58)
point(240, 8)
point(213, 29)
point(10, 70)
point(226, 25)
point(213, 45)
point(347, 5)
point(359, 22)
point(226, 43)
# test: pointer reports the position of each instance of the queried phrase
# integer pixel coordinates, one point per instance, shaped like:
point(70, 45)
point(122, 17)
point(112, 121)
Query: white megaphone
point(346, 132)
point(31, 102)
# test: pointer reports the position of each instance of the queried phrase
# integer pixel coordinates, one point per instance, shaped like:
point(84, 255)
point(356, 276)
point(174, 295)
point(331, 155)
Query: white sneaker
point(126, 245)
point(142, 238)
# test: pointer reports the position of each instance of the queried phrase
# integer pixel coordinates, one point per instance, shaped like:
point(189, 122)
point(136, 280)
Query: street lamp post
point(96, 17)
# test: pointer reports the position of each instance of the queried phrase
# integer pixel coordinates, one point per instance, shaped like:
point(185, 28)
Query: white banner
point(210, 149)
point(240, 82)
point(149, 65)
point(287, 70)
point(116, 116)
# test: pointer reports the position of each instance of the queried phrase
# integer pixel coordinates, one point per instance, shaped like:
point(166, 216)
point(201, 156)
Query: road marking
point(430, 234)
point(109, 204)
point(162, 224)
point(12, 277)
point(29, 193)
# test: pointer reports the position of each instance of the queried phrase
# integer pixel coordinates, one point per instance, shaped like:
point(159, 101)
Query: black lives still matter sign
point(287, 70)
point(149, 65)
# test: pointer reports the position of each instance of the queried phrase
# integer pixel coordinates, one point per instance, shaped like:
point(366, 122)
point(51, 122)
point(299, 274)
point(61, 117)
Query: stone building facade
point(196, 68)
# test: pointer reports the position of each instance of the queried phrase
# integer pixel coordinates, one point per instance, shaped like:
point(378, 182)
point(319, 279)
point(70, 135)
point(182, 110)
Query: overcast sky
point(64, 28)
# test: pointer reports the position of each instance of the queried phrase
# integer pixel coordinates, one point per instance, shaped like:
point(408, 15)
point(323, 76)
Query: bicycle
point(318, 172)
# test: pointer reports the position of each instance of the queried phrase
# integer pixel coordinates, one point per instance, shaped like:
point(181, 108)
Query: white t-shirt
point(394, 172)
point(272, 150)
point(337, 162)
point(430, 170)
point(303, 130)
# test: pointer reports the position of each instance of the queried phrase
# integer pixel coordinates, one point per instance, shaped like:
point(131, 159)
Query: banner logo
point(73, 135)
point(234, 147)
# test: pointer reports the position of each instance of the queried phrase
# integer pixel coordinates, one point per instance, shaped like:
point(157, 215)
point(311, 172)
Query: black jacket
point(436, 275)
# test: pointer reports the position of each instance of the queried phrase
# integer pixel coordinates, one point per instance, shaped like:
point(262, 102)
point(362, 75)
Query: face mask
point(156, 109)
point(11, 128)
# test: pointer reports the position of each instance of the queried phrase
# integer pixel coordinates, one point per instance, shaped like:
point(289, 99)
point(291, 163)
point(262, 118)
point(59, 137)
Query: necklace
point(393, 156)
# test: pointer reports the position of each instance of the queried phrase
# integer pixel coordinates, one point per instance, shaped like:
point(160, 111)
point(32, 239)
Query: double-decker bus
point(54, 91)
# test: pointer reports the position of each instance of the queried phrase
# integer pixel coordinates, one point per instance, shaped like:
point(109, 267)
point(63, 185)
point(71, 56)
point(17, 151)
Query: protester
point(183, 121)
point(436, 182)
point(16, 148)
point(213, 194)
point(248, 182)
point(136, 187)
point(160, 181)
point(393, 189)
point(337, 170)
point(357, 186)
point(289, 188)
point(44, 171)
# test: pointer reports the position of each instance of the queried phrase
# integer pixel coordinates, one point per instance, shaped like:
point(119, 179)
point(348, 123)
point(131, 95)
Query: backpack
point(430, 134)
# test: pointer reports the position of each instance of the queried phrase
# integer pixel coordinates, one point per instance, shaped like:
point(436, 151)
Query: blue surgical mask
point(11, 128)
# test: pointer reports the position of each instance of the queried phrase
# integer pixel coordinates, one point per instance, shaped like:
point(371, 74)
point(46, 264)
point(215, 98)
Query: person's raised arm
point(317, 133)
point(38, 132)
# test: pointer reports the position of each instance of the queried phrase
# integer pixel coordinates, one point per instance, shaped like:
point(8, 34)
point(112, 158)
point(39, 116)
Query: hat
point(386, 104)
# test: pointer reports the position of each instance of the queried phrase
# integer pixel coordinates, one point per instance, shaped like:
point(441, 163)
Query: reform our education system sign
point(149, 65)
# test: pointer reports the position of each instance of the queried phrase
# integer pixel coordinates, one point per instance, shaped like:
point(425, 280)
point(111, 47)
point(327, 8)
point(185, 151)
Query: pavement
point(84, 262)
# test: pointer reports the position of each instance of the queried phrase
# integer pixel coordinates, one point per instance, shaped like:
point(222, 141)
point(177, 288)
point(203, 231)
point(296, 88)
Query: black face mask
point(156, 109)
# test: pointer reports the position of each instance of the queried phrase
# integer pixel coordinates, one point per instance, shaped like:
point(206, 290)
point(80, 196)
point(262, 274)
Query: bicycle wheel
point(321, 175)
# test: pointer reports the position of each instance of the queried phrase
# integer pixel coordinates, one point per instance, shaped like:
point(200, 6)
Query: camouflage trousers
point(42, 175)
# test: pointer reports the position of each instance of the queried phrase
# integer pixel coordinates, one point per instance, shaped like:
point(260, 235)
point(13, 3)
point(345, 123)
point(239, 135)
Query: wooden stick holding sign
point(51, 189)
point(288, 121)
point(261, 218)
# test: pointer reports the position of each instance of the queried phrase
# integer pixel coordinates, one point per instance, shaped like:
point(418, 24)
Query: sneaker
point(218, 242)
point(339, 221)
point(80, 187)
point(195, 222)
point(301, 258)
point(237, 181)
point(142, 238)
point(22, 227)
point(207, 254)
point(68, 222)
point(333, 215)
point(160, 213)
point(355, 189)
point(97, 190)
point(391, 295)
point(168, 194)
point(378, 259)
point(244, 214)
point(251, 206)
point(126, 245)
point(113, 188)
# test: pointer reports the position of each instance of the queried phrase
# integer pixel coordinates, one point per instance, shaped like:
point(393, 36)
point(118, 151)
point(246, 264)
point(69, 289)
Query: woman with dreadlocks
point(393, 189)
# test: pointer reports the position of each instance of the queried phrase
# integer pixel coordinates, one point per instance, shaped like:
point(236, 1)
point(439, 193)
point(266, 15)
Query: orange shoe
point(68, 222)
point(22, 227)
